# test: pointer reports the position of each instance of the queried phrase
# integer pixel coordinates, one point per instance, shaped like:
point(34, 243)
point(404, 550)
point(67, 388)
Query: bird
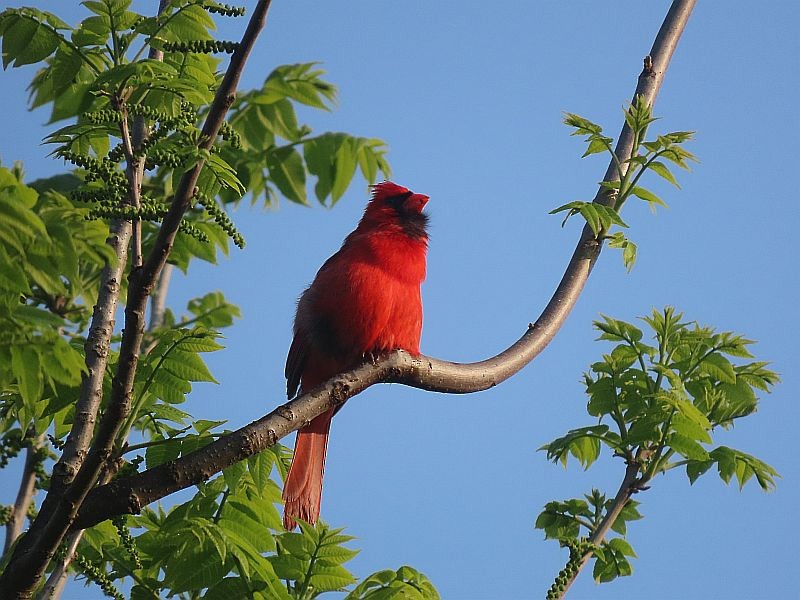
point(364, 301)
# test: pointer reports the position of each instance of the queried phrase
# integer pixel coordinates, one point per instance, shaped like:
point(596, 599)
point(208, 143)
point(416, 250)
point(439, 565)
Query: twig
point(130, 494)
point(626, 489)
point(134, 171)
point(31, 557)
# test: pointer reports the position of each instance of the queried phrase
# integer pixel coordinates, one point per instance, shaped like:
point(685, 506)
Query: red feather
point(365, 300)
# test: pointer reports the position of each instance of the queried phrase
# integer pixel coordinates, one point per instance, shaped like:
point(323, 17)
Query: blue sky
point(469, 96)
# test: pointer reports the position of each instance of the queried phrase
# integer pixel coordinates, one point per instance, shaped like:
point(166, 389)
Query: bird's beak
point(418, 202)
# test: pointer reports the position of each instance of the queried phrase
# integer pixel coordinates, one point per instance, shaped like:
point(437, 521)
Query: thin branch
point(31, 557)
point(54, 586)
point(91, 393)
point(626, 489)
point(158, 300)
point(135, 172)
point(128, 495)
point(27, 489)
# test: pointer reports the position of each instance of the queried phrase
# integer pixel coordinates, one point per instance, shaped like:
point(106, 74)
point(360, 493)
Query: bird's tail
point(302, 492)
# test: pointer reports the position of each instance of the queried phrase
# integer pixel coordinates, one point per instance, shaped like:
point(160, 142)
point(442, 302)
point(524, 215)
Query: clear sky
point(469, 95)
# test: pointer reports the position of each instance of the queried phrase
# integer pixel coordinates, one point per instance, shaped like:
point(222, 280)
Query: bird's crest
point(387, 189)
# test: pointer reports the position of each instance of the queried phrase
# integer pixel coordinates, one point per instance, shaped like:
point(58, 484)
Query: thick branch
point(91, 393)
point(130, 494)
point(30, 560)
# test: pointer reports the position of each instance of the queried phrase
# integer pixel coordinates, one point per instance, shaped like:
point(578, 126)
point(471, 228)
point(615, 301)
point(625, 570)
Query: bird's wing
point(295, 363)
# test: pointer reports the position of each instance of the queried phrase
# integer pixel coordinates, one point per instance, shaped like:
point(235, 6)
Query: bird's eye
point(398, 200)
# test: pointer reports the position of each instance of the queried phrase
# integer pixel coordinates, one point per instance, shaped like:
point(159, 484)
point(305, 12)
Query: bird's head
point(394, 204)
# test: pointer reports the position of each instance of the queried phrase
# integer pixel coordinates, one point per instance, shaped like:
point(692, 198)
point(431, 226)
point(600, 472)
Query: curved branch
point(128, 495)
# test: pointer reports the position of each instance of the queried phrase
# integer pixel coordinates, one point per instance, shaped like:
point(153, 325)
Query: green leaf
point(345, 167)
point(618, 240)
point(590, 212)
point(404, 584)
point(196, 568)
point(718, 366)
point(596, 145)
point(616, 330)
point(582, 443)
point(204, 425)
point(26, 39)
point(602, 396)
point(162, 452)
point(225, 173)
point(645, 429)
point(288, 173)
point(211, 310)
point(581, 125)
point(249, 522)
point(166, 412)
point(228, 588)
point(300, 82)
point(686, 446)
point(234, 474)
point(559, 520)
point(732, 462)
point(661, 169)
point(297, 545)
point(332, 578)
point(609, 216)
point(12, 277)
point(690, 428)
point(260, 467)
point(26, 369)
point(648, 197)
point(696, 468)
point(628, 513)
point(188, 366)
point(612, 562)
point(622, 546)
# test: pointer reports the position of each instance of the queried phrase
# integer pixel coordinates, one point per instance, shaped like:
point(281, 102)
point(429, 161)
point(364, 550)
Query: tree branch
point(91, 393)
point(27, 489)
point(626, 489)
point(158, 300)
point(37, 548)
point(128, 495)
point(54, 586)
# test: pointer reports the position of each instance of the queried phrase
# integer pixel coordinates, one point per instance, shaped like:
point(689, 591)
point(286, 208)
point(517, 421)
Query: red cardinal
point(365, 300)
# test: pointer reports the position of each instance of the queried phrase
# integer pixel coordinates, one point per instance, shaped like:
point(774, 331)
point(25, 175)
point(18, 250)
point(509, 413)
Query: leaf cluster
point(658, 405)
point(653, 155)
point(97, 74)
point(50, 259)
point(565, 521)
point(228, 542)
